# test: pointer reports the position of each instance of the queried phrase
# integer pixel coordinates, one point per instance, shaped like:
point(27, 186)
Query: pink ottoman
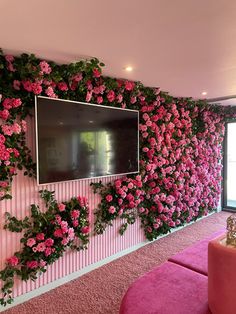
point(168, 289)
point(195, 256)
point(221, 277)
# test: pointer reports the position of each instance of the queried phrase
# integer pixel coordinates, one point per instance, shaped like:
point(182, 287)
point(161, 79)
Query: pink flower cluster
point(10, 131)
point(181, 169)
point(127, 195)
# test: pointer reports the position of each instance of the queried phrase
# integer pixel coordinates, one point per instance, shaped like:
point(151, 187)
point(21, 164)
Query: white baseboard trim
point(52, 285)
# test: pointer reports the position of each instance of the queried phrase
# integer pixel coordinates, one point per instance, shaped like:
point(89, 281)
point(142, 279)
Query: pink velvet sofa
point(179, 286)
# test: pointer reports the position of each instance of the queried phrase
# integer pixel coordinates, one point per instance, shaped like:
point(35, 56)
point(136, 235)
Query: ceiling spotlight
point(128, 69)
point(204, 93)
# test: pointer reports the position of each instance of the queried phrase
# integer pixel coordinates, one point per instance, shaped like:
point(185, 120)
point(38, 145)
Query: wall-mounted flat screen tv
point(76, 140)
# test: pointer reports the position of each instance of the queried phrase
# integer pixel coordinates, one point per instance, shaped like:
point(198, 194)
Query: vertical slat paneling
point(25, 192)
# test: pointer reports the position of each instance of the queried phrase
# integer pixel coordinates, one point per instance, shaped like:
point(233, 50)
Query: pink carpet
point(102, 290)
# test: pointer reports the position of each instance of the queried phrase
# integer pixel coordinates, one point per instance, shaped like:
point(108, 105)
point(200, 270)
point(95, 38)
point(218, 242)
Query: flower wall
point(180, 149)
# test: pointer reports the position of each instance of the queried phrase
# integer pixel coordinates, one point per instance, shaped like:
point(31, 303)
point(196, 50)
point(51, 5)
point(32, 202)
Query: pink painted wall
point(25, 192)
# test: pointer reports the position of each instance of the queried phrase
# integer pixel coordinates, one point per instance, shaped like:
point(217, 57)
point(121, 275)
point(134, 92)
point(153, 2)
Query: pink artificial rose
point(4, 114)
point(2, 139)
point(75, 223)
point(138, 178)
point(32, 264)
point(16, 102)
point(78, 77)
point(4, 184)
point(64, 241)
point(118, 183)
point(13, 261)
point(99, 100)
point(9, 58)
point(155, 226)
point(64, 226)
point(120, 201)
point(49, 242)
point(30, 242)
point(129, 85)
point(16, 84)
point(7, 103)
point(16, 128)
point(58, 233)
point(120, 212)
point(45, 67)
point(111, 209)
point(96, 73)
point(85, 230)
point(111, 96)
point(96, 90)
point(62, 86)
point(89, 96)
point(71, 233)
point(82, 201)
point(34, 249)
point(119, 98)
point(130, 185)
point(61, 207)
point(141, 210)
point(50, 92)
point(149, 229)
point(109, 198)
point(48, 251)
point(27, 86)
point(42, 263)
point(131, 204)
point(24, 125)
point(41, 247)
point(40, 236)
point(75, 214)
point(36, 88)
point(58, 219)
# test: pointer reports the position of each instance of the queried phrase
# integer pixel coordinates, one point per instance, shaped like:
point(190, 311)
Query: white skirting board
point(52, 285)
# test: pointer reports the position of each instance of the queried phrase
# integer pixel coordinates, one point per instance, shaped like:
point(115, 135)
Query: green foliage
point(42, 245)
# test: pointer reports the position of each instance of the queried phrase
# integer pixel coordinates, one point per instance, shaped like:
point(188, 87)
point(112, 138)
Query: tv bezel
point(87, 104)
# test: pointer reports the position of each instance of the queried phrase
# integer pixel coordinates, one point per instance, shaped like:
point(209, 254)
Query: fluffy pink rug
point(101, 290)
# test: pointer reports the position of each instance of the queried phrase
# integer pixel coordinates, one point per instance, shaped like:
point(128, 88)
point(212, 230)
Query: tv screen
point(75, 140)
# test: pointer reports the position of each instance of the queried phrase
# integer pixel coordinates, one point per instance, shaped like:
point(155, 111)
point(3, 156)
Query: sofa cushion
point(168, 289)
point(195, 256)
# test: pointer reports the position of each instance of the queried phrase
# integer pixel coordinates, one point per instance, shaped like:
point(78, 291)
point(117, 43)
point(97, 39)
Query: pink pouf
point(168, 289)
point(221, 277)
point(195, 256)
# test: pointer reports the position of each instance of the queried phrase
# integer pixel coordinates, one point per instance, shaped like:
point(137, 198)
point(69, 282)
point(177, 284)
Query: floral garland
point(180, 171)
point(180, 155)
point(46, 237)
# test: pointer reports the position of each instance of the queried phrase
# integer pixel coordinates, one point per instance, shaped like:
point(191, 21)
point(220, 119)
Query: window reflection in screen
point(92, 154)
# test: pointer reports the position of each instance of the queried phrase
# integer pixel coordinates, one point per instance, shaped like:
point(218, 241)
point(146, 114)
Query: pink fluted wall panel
point(25, 193)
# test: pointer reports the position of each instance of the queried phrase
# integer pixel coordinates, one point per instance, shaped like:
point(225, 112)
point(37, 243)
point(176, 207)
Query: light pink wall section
point(25, 192)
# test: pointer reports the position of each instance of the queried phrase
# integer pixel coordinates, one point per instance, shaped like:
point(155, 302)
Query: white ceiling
point(183, 46)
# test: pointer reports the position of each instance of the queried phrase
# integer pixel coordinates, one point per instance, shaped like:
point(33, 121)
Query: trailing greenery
point(46, 237)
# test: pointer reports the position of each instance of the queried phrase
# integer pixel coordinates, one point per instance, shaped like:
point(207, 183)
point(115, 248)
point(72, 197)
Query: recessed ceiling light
point(204, 93)
point(128, 69)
